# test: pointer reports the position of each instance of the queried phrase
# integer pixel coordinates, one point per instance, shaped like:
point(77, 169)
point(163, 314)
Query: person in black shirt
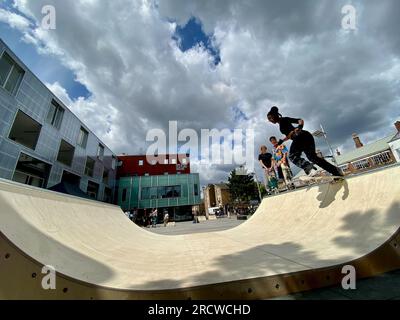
point(303, 141)
point(266, 161)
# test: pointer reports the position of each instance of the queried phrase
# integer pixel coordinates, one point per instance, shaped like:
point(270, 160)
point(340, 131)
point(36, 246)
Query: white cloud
point(14, 20)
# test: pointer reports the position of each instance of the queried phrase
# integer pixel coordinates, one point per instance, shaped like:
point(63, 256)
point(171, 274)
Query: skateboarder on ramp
point(303, 141)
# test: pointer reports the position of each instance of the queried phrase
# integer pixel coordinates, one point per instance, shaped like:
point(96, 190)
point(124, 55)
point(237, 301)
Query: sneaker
point(313, 173)
point(309, 169)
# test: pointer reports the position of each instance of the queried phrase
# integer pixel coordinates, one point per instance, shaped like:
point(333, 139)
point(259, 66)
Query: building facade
point(367, 157)
point(165, 184)
point(42, 143)
point(216, 195)
point(210, 200)
point(395, 143)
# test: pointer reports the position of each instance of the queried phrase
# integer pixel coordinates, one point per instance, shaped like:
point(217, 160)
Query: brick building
point(369, 156)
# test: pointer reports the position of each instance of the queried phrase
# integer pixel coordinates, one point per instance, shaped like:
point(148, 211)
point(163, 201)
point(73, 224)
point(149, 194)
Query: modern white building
point(42, 143)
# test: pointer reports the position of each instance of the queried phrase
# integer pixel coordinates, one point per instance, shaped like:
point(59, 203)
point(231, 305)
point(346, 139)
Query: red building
point(140, 165)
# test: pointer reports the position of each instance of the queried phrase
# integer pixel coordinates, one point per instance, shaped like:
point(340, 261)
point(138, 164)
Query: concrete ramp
point(295, 242)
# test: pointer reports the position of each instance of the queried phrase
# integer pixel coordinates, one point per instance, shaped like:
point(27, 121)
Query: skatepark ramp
point(295, 242)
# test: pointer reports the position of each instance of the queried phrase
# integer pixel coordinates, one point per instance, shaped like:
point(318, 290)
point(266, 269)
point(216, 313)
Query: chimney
point(397, 125)
point(357, 141)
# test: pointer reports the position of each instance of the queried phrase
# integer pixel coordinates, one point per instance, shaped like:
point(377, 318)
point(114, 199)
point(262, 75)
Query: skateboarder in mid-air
point(303, 141)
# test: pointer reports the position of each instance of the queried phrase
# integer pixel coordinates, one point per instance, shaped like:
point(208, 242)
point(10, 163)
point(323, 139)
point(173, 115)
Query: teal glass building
point(175, 193)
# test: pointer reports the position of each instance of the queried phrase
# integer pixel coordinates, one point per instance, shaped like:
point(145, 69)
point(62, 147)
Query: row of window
point(55, 117)
point(164, 192)
point(161, 192)
point(377, 160)
point(166, 162)
point(26, 132)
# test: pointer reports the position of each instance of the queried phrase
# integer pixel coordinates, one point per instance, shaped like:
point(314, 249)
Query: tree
point(242, 187)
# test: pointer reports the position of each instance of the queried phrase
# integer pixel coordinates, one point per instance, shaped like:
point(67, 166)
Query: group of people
point(147, 219)
point(275, 165)
point(302, 142)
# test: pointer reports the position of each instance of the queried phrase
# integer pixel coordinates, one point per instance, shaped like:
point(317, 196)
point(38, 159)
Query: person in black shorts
point(266, 161)
point(303, 141)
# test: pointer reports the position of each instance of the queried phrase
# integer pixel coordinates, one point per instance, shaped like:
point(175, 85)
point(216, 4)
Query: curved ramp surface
point(295, 242)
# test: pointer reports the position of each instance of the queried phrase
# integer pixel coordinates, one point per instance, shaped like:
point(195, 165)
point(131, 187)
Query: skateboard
point(322, 179)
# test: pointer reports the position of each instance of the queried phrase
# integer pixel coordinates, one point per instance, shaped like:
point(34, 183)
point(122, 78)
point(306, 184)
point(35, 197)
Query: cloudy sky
point(128, 66)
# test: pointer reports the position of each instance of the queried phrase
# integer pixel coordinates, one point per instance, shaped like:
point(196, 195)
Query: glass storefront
point(148, 192)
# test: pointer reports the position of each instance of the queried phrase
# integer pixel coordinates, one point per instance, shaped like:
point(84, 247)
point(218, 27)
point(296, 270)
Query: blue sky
point(48, 69)
point(192, 34)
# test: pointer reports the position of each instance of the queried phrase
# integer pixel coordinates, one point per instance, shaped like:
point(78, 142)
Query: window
point(154, 193)
point(345, 168)
point(11, 74)
point(92, 190)
point(196, 190)
point(161, 192)
point(184, 161)
point(173, 192)
point(106, 174)
point(55, 115)
point(108, 196)
point(382, 158)
point(89, 169)
point(166, 161)
point(100, 152)
point(83, 138)
point(145, 193)
point(113, 163)
point(173, 161)
point(362, 164)
point(25, 130)
point(141, 163)
point(124, 192)
point(31, 171)
point(65, 153)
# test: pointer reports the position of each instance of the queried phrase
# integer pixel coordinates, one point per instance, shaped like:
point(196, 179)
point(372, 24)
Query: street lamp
point(322, 133)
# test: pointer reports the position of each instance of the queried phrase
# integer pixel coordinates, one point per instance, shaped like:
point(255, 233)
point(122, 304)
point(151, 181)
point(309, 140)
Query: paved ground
point(190, 227)
point(384, 287)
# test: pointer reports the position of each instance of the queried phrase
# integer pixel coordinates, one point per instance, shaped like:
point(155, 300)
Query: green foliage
point(263, 190)
point(242, 187)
